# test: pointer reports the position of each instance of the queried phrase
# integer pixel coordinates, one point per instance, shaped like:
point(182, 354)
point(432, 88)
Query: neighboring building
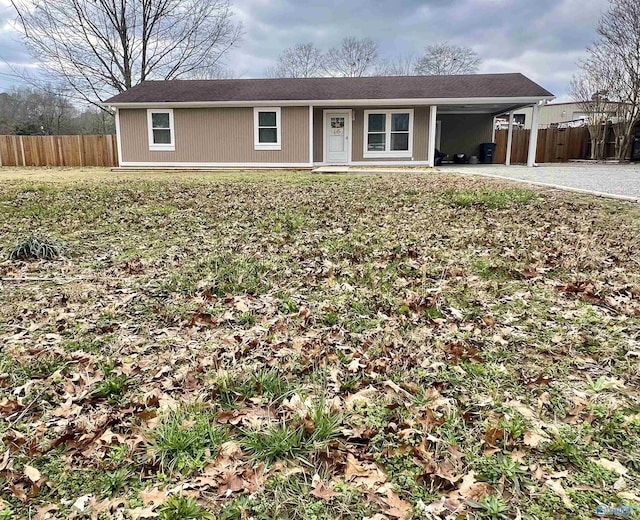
point(306, 122)
point(551, 114)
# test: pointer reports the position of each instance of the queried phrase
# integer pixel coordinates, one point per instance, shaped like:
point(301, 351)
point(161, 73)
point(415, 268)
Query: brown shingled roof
point(303, 89)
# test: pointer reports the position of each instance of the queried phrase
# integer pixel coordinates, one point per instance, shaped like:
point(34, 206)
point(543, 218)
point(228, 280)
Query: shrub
point(32, 248)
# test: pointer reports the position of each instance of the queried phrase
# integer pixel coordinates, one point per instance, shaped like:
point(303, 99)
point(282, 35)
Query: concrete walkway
point(617, 180)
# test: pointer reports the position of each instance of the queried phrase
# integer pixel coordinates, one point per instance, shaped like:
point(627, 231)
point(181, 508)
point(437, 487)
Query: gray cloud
point(13, 53)
point(543, 39)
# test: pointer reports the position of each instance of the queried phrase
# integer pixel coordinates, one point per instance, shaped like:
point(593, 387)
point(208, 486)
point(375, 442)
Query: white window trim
point(165, 147)
point(387, 153)
point(256, 129)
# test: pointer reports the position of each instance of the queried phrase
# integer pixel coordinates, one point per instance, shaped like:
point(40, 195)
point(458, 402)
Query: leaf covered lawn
point(293, 346)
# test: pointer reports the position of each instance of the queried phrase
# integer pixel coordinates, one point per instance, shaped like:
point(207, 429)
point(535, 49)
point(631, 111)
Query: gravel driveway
point(614, 179)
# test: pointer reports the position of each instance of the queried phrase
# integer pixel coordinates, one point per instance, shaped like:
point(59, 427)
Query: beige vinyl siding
point(216, 135)
point(420, 133)
point(463, 133)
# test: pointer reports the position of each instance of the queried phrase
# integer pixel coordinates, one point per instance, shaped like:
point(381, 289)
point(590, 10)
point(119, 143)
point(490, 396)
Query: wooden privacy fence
point(58, 150)
point(554, 145)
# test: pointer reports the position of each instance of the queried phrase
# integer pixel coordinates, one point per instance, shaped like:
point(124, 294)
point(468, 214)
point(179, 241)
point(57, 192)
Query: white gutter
point(336, 102)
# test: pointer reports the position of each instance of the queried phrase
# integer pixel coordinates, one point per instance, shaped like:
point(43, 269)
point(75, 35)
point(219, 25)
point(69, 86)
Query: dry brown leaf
point(627, 495)
point(142, 512)
point(611, 465)
point(533, 439)
point(471, 490)
point(43, 512)
point(320, 490)
point(153, 496)
point(557, 488)
point(31, 472)
point(354, 469)
point(398, 508)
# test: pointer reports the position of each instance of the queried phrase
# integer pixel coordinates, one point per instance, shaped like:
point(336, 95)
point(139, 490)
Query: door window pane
point(400, 142)
point(376, 142)
point(160, 120)
point(268, 135)
point(400, 122)
point(267, 119)
point(377, 122)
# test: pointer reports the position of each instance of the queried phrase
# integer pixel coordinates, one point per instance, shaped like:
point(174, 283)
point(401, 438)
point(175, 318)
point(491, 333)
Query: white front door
point(337, 130)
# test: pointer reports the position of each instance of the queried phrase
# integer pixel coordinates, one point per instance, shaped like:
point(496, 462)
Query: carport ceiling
point(494, 109)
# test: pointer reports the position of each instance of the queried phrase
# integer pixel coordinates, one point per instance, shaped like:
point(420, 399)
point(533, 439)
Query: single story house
point(307, 122)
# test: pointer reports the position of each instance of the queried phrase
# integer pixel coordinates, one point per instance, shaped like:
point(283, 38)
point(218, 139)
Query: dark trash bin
point(635, 149)
point(487, 153)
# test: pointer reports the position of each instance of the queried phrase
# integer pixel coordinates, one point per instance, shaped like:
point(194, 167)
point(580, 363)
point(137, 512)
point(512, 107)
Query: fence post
point(59, 146)
point(80, 150)
point(24, 160)
point(509, 139)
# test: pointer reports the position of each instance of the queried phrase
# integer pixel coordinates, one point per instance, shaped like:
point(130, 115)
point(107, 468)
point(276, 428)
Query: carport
point(461, 128)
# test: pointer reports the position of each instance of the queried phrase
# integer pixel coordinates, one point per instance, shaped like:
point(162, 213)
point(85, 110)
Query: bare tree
point(446, 58)
point(217, 71)
point(303, 60)
point(49, 111)
point(401, 66)
point(101, 47)
point(353, 58)
point(614, 59)
point(589, 90)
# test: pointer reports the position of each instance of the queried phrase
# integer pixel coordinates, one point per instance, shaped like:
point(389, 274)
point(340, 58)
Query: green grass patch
point(185, 440)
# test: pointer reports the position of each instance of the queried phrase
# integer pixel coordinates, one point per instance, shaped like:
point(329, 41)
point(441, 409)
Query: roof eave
point(524, 100)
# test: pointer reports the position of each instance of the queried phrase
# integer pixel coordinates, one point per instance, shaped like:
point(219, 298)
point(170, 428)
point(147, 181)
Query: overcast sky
point(541, 38)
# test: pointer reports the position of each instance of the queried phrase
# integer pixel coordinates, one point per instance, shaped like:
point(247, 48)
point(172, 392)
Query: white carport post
point(509, 139)
point(533, 137)
point(431, 151)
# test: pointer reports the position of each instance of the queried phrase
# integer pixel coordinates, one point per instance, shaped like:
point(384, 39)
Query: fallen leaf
point(533, 439)
point(31, 472)
point(81, 503)
point(398, 508)
point(557, 488)
point(472, 490)
point(153, 496)
point(142, 512)
point(319, 490)
point(629, 496)
point(42, 513)
point(611, 465)
point(353, 469)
